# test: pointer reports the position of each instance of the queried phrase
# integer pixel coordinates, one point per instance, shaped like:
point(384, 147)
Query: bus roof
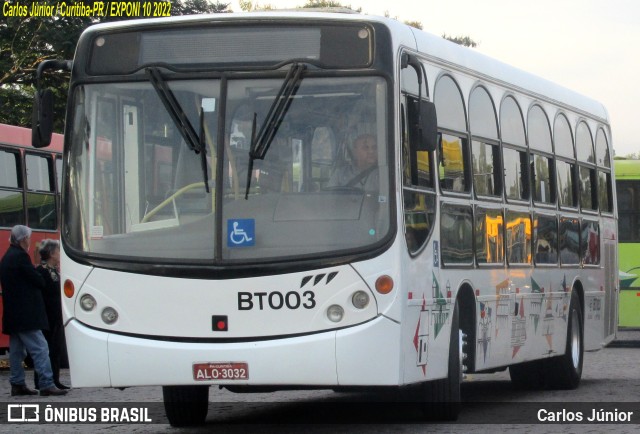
point(452, 55)
point(21, 137)
point(435, 48)
point(627, 169)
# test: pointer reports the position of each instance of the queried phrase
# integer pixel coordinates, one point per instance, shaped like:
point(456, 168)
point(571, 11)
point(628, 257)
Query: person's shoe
point(52, 391)
point(21, 390)
point(62, 386)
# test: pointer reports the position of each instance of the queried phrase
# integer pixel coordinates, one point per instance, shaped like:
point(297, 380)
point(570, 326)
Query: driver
point(360, 172)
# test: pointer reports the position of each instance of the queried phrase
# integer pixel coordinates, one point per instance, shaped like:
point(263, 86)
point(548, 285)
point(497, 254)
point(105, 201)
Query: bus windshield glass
point(136, 187)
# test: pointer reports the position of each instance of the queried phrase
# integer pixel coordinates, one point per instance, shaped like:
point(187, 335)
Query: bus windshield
point(136, 188)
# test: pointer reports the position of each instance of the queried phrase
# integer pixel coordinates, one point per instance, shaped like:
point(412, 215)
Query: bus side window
point(453, 166)
point(10, 196)
point(546, 239)
point(518, 238)
point(590, 243)
point(419, 204)
point(489, 225)
point(456, 235)
point(569, 239)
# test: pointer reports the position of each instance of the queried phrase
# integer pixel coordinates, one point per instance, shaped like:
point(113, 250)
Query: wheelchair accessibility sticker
point(241, 232)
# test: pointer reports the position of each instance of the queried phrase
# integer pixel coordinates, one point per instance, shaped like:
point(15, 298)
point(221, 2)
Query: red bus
point(30, 182)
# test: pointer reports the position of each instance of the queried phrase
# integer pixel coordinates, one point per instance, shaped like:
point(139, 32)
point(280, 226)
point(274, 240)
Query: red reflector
point(219, 323)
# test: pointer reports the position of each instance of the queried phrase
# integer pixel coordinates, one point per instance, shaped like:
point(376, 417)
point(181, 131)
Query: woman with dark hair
point(50, 262)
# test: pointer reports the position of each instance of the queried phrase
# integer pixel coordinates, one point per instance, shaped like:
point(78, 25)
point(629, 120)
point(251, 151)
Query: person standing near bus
point(49, 269)
point(24, 315)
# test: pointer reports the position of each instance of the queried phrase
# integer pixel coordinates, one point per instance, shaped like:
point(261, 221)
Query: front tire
point(186, 405)
point(442, 397)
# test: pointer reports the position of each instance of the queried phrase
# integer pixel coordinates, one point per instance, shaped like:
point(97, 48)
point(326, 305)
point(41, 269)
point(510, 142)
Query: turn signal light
point(384, 284)
point(69, 289)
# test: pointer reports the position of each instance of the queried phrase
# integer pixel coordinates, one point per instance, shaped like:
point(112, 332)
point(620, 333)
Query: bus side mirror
point(42, 115)
point(423, 125)
point(428, 126)
point(42, 119)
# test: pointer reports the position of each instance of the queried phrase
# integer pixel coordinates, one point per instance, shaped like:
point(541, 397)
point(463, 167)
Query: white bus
point(207, 240)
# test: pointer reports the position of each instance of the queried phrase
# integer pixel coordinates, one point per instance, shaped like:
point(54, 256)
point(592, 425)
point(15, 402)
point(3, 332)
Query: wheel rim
point(575, 339)
point(461, 355)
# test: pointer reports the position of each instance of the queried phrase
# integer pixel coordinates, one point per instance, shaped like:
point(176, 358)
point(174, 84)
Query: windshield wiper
point(203, 151)
point(260, 143)
point(194, 142)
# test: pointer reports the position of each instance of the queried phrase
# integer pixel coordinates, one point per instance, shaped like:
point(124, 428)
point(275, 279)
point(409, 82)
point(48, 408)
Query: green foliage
point(27, 41)
point(317, 4)
point(461, 40)
point(249, 6)
point(416, 24)
point(16, 103)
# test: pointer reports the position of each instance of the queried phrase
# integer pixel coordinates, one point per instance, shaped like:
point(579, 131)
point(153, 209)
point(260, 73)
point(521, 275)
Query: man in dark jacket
point(24, 315)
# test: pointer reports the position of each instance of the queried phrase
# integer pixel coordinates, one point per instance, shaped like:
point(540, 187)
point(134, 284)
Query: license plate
point(220, 371)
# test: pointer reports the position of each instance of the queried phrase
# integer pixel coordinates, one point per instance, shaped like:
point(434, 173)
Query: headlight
point(360, 299)
point(335, 313)
point(87, 302)
point(109, 315)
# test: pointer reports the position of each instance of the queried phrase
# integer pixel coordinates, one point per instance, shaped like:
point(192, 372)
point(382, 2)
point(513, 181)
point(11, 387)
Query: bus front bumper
point(366, 354)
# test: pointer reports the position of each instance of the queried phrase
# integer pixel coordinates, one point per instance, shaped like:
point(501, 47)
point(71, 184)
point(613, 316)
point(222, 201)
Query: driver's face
point(365, 152)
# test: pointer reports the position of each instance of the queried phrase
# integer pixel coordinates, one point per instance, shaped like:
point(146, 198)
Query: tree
point(461, 40)
point(249, 6)
point(27, 41)
point(416, 24)
point(318, 4)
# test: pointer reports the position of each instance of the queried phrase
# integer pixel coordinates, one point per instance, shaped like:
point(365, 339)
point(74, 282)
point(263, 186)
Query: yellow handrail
point(168, 200)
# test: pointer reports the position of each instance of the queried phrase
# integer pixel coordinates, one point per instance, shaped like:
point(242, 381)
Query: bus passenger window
point(588, 188)
point(569, 238)
point(542, 171)
point(487, 176)
point(456, 235)
point(419, 197)
point(566, 185)
point(590, 243)
point(518, 238)
point(546, 239)
point(604, 189)
point(452, 167)
point(486, 172)
point(489, 236)
point(515, 179)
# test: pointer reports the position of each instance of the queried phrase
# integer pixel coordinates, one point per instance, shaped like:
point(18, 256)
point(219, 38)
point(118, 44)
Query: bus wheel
point(565, 371)
point(186, 405)
point(442, 397)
